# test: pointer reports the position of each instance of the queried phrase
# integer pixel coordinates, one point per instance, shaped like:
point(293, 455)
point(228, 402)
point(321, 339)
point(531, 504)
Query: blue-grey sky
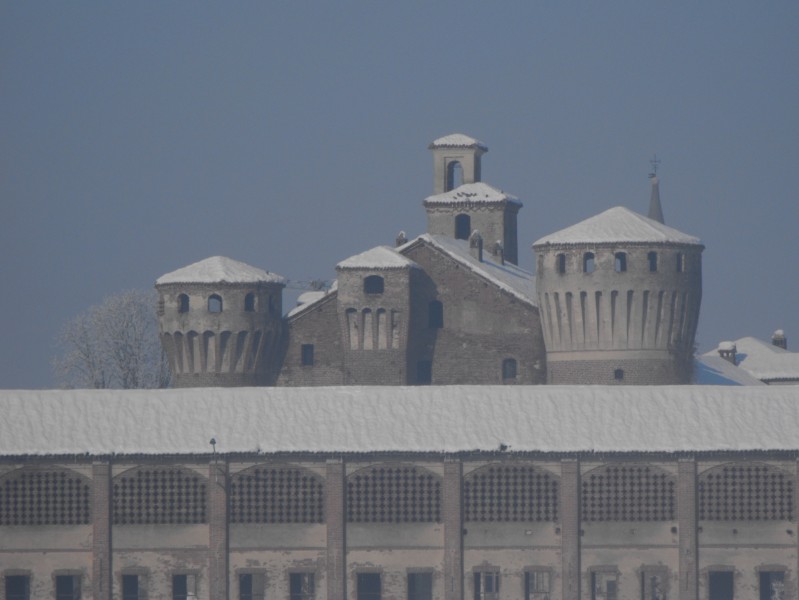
point(138, 137)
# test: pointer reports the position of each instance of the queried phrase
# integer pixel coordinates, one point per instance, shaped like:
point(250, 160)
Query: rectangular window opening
point(536, 585)
point(301, 586)
point(420, 586)
point(184, 587)
point(720, 585)
point(130, 587)
point(486, 585)
point(307, 351)
point(17, 587)
point(604, 585)
point(252, 586)
point(772, 585)
point(67, 587)
point(368, 586)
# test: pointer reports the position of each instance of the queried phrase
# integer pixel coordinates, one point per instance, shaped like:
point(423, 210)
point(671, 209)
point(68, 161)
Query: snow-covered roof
point(457, 140)
point(514, 280)
point(714, 370)
point(764, 360)
point(308, 299)
point(220, 269)
point(380, 258)
point(618, 225)
point(472, 193)
point(400, 419)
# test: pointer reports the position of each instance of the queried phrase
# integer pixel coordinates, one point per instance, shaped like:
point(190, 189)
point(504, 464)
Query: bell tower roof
point(458, 140)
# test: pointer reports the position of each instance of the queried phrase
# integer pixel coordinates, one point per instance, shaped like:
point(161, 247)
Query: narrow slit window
point(215, 303)
point(680, 262)
point(652, 257)
point(589, 262)
point(249, 302)
point(560, 262)
point(621, 262)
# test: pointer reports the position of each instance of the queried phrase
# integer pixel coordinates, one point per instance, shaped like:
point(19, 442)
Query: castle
point(615, 300)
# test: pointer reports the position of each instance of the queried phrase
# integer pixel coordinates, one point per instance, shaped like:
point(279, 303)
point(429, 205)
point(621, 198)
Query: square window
point(252, 586)
point(536, 585)
point(18, 587)
point(307, 355)
point(301, 586)
point(720, 585)
point(67, 587)
point(420, 586)
point(368, 586)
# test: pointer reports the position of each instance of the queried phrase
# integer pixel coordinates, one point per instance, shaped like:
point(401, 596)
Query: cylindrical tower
point(619, 296)
point(221, 322)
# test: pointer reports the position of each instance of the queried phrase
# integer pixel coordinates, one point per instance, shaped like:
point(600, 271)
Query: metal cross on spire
point(654, 162)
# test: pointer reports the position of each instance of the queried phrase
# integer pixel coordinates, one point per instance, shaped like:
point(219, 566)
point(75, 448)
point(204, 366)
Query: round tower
point(221, 323)
point(619, 296)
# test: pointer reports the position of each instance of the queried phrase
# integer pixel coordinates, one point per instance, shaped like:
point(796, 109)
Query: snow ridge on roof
point(764, 360)
point(400, 419)
point(220, 269)
point(618, 225)
point(380, 258)
point(457, 140)
point(472, 193)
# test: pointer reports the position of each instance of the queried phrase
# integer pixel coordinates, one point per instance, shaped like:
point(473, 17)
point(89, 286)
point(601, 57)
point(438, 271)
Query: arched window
point(215, 303)
point(560, 263)
point(183, 303)
point(435, 315)
point(463, 227)
point(509, 369)
point(249, 302)
point(621, 262)
point(680, 262)
point(454, 175)
point(373, 285)
point(589, 264)
point(652, 257)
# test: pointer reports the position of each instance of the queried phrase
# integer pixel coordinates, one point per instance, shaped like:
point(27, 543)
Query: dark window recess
point(252, 586)
point(307, 355)
point(368, 586)
point(424, 372)
point(389, 494)
point(680, 262)
point(420, 586)
point(560, 261)
point(454, 175)
point(772, 585)
point(215, 303)
point(463, 227)
point(536, 585)
point(301, 586)
point(589, 262)
point(18, 587)
point(373, 285)
point(67, 587)
point(653, 585)
point(652, 257)
point(130, 587)
point(183, 303)
point(603, 586)
point(618, 374)
point(249, 302)
point(720, 585)
point(510, 493)
point(509, 369)
point(276, 495)
point(620, 262)
point(435, 315)
point(184, 587)
point(486, 585)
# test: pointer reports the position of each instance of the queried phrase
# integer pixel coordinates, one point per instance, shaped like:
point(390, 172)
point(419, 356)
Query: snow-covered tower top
point(220, 269)
point(456, 160)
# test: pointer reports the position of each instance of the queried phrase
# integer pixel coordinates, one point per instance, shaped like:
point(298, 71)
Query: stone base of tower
point(618, 371)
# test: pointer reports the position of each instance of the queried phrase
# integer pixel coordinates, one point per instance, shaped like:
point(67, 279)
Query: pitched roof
point(457, 140)
point(220, 269)
point(400, 419)
point(379, 258)
point(714, 370)
point(472, 193)
point(618, 225)
point(764, 360)
point(514, 280)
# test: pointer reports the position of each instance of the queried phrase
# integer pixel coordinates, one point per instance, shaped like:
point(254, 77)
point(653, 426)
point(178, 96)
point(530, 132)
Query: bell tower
point(456, 160)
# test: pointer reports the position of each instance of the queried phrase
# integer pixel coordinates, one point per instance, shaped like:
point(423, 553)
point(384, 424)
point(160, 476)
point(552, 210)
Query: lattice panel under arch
point(44, 497)
point(276, 495)
point(392, 494)
point(510, 493)
point(746, 492)
point(628, 493)
point(158, 495)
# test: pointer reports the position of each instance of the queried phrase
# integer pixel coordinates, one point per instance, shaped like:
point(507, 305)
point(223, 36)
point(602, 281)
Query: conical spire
point(655, 210)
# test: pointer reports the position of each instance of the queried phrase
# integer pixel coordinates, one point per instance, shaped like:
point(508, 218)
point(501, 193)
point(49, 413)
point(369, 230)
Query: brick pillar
point(570, 528)
point(218, 530)
point(101, 530)
point(453, 529)
point(687, 518)
point(335, 516)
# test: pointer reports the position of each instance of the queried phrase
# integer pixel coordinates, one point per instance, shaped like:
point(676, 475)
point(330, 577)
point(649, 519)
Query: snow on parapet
point(618, 225)
point(474, 193)
point(400, 419)
point(457, 140)
point(380, 258)
point(220, 269)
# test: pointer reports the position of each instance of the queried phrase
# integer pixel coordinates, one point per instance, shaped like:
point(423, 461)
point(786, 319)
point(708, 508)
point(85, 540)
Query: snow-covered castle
point(615, 301)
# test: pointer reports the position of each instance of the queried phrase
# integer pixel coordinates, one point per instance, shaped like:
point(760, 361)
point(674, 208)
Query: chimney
point(498, 252)
point(778, 339)
point(400, 239)
point(476, 245)
point(727, 351)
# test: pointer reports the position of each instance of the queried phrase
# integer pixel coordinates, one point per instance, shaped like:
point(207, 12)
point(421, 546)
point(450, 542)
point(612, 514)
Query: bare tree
point(113, 344)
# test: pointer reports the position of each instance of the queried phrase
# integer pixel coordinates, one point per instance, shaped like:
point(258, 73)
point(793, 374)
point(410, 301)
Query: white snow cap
point(457, 140)
point(618, 225)
point(764, 360)
point(472, 193)
point(220, 269)
point(380, 257)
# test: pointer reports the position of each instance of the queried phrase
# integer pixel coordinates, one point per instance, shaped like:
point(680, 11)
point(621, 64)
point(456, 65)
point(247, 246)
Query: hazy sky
point(138, 137)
